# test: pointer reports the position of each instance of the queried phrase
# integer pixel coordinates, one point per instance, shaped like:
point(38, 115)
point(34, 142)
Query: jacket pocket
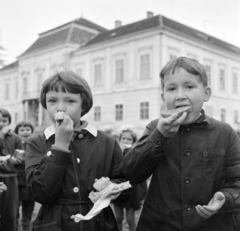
point(213, 164)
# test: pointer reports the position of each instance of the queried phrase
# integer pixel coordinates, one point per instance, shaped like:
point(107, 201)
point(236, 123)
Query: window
point(172, 57)
point(144, 110)
point(222, 79)
point(223, 115)
point(119, 112)
point(208, 70)
point(98, 74)
point(17, 89)
point(39, 82)
point(25, 82)
point(79, 71)
point(6, 91)
point(144, 67)
point(16, 118)
point(119, 71)
point(97, 113)
point(236, 120)
point(235, 82)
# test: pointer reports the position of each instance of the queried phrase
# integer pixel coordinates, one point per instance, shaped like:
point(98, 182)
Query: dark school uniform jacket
point(188, 169)
point(61, 181)
point(10, 142)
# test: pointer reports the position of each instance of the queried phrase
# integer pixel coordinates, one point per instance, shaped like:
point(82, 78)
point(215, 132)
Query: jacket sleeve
point(141, 160)
point(231, 188)
point(116, 175)
point(45, 171)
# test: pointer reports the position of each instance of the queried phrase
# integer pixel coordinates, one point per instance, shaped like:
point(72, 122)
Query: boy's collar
point(49, 131)
point(203, 118)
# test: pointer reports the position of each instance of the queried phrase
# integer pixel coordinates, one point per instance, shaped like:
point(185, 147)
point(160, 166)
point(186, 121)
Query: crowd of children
point(193, 161)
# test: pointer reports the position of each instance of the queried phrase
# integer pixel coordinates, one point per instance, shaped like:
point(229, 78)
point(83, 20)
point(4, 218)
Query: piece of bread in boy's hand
point(19, 154)
point(3, 159)
point(102, 183)
point(179, 111)
point(59, 116)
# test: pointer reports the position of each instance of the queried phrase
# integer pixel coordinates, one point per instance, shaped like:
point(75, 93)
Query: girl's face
point(4, 121)
point(126, 139)
point(67, 102)
point(24, 131)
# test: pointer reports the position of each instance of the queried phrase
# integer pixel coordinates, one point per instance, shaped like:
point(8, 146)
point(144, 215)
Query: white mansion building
point(122, 66)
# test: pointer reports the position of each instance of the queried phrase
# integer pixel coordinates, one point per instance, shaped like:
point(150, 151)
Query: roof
point(67, 33)
point(10, 66)
point(164, 23)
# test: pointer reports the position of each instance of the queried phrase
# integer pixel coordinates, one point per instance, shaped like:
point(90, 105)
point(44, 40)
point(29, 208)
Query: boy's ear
point(208, 93)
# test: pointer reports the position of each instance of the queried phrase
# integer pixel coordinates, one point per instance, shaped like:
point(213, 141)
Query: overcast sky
point(22, 20)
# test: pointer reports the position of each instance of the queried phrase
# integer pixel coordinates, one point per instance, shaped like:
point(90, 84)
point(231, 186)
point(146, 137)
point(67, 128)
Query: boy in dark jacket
point(194, 159)
point(63, 163)
point(8, 174)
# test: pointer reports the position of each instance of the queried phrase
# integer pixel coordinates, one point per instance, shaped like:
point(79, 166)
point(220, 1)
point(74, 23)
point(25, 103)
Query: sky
point(21, 21)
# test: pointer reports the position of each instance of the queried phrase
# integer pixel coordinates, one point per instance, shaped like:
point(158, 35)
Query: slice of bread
point(179, 111)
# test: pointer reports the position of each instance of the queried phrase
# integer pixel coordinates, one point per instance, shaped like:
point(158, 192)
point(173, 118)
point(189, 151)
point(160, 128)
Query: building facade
point(122, 66)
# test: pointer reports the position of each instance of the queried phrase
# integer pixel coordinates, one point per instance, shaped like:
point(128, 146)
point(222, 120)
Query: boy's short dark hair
point(23, 124)
point(134, 136)
point(6, 113)
point(68, 81)
point(190, 65)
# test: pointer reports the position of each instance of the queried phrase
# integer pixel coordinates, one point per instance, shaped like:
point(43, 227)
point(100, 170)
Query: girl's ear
point(162, 96)
point(207, 94)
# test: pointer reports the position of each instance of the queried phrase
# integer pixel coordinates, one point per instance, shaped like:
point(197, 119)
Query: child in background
point(194, 159)
point(8, 174)
point(24, 130)
point(63, 163)
point(127, 138)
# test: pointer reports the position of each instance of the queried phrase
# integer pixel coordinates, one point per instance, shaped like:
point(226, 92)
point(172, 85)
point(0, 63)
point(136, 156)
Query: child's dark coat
point(62, 181)
point(199, 160)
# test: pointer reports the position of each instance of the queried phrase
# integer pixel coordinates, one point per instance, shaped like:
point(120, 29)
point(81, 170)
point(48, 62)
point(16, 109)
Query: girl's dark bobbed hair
point(23, 124)
point(6, 113)
point(68, 81)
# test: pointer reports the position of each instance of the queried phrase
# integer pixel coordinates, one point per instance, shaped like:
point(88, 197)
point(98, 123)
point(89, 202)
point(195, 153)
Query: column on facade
point(40, 116)
point(26, 110)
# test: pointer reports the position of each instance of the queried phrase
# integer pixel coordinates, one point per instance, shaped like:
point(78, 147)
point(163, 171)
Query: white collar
point(49, 131)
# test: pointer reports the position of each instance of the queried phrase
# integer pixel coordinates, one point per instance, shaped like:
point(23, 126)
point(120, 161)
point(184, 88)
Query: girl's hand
point(64, 132)
point(15, 160)
point(170, 125)
point(214, 205)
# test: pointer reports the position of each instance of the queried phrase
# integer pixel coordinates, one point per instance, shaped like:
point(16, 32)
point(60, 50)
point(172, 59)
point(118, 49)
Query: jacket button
point(75, 189)
point(80, 136)
point(187, 128)
point(187, 153)
point(187, 208)
point(78, 160)
point(187, 180)
point(49, 153)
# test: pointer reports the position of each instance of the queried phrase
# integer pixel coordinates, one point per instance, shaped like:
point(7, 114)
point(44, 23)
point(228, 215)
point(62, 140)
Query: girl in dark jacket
point(63, 163)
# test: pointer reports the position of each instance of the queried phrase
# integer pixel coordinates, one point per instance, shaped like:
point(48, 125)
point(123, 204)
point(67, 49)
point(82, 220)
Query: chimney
point(149, 14)
point(118, 24)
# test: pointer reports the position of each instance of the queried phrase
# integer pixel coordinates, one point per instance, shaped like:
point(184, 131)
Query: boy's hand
point(3, 187)
point(170, 125)
point(214, 205)
point(64, 132)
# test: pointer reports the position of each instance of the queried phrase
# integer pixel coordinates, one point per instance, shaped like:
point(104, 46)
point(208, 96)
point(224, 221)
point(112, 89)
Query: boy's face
point(4, 121)
point(70, 103)
point(185, 89)
point(24, 131)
